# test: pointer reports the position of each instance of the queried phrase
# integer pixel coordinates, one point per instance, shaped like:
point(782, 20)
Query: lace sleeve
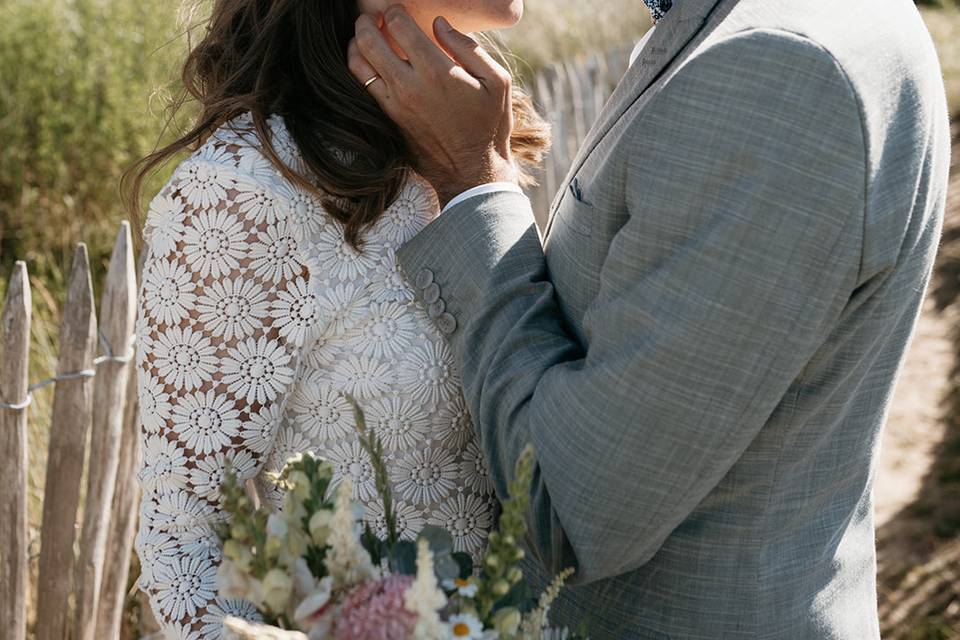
point(219, 341)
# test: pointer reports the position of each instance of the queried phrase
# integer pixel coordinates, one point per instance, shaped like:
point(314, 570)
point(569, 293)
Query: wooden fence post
point(72, 405)
point(15, 356)
point(124, 514)
point(571, 96)
point(117, 316)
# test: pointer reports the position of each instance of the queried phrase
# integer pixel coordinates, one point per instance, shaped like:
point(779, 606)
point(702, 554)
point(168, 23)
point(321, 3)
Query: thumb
point(466, 51)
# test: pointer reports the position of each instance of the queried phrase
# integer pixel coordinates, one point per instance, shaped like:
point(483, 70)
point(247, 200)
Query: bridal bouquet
point(314, 572)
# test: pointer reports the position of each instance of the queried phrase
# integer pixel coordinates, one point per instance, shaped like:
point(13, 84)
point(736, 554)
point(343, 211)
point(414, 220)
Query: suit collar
point(670, 37)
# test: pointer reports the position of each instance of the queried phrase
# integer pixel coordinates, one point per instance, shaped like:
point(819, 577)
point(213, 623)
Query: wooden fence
point(571, 95)
point(81, 586)
point(82, 581)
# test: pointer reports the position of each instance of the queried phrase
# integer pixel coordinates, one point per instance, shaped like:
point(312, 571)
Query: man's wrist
point(494, 170)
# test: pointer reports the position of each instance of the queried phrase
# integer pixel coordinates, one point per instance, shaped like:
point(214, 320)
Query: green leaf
point(446, 567)
point(466, 564)
point(403, 558)
point(440, 540)
point(519, 597)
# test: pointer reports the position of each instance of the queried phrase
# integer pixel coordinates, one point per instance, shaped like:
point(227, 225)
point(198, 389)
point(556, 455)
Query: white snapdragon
point(347, 561)
point(425, 599)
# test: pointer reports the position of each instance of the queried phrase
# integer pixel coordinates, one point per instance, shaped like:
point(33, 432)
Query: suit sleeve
point(753, 158)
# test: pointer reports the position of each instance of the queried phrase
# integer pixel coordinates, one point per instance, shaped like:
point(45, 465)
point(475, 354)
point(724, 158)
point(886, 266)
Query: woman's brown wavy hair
point(288, 57)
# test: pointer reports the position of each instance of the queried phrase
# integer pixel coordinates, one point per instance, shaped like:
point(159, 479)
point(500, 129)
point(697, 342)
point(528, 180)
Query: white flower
point(204, 184)
point(206, 421)
point(474, 469)
point(184, 585)
point(466, 626)
point(223, 607)
point(324, 353)
point(385, 332)
point(465, 588)
point(252, 162)
point(154, 401)
point(254, 199)
point(274, 254)
point(215, 243)
point(426, 476)
point(208, 475)
point(168, 291)
point(164, 465)
point(202, 542)
point(428, 373)
point(259, 431)
point(410, 212)
point(290, 442)
point(257, 370)
point(410, 520)
point(536, 620)
point(468, 519)
point(179, 511)
point(351, 460)
point(164, 226)
point(388, 283)
point(362, 377)
point(295, 311)
point(456, 428)
point(306, 213)
point(152, 543)
point(285, 145)
point(347, 562)
point(233, 308)
point(277, 587)
point(184, 359)
point(339, 307)
point(335, 256)
point(311, 611)
point(277, 526)
point(400, 424)
point(321, 410)
point(424, 598)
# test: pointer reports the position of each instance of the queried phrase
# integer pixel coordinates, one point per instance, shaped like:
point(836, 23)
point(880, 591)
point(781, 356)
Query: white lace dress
point(256, 318)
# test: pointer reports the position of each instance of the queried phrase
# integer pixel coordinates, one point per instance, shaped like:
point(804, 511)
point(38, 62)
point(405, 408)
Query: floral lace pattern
point(256, 318)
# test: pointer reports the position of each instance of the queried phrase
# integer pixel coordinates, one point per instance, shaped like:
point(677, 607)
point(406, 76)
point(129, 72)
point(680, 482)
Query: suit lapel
point(671, 35)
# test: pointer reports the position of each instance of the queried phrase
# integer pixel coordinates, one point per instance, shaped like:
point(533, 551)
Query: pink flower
point(375, 611)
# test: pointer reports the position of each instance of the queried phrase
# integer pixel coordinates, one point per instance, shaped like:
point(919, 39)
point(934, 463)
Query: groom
point(703, 346)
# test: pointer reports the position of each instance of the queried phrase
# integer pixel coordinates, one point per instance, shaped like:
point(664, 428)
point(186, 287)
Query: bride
point(271, 291)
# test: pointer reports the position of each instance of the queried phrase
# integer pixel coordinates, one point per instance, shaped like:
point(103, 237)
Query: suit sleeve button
point(431, 293)
point(424, 279)
point(446, 323)
point(437, 308)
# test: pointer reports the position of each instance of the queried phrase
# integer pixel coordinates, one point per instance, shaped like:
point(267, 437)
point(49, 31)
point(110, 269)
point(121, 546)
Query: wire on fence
point(109, 358)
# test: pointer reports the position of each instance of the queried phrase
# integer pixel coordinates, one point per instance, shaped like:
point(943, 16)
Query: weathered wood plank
point(15, 356)
point(123, 521)
point(72, 407)
point(571, 97)
point(117, 314)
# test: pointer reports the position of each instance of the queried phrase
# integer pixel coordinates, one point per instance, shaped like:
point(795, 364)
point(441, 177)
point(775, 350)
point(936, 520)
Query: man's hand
point(454, 108)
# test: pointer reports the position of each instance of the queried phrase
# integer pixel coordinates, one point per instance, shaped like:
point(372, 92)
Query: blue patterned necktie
point(658, 8)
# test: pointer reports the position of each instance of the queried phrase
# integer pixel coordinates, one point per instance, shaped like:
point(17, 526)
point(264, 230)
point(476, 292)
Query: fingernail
point(443, 24)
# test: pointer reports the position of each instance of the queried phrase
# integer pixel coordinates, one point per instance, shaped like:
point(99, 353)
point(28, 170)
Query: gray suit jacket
point(704, 347)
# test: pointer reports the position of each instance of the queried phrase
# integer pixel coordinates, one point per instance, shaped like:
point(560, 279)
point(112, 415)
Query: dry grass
point(944, 25)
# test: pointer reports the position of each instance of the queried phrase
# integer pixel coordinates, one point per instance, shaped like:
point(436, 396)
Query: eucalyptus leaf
point(446, 567)
point(440, 540)
point(519, 597)
point(466, 564)
point(403, 558)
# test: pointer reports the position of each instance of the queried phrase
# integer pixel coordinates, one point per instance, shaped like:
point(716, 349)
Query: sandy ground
point(915, 424)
